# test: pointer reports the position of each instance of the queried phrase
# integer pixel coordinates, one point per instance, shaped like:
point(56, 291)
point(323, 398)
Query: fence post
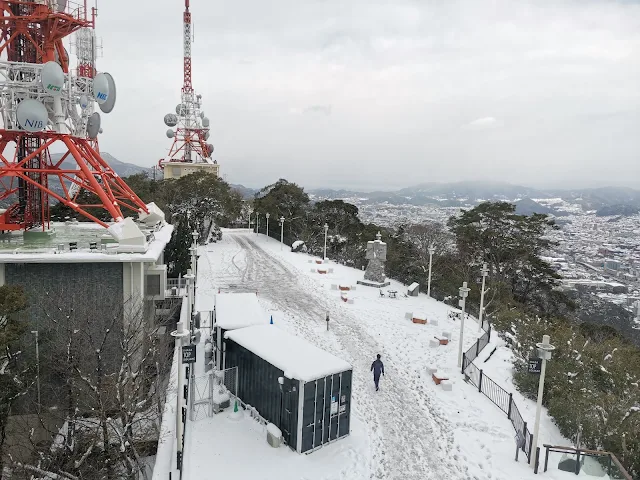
point(524, 434)
point(463, 359)
point(477, 347)
point(510, 402)
point(480, 382)
point(489, 333)
point(537, 459)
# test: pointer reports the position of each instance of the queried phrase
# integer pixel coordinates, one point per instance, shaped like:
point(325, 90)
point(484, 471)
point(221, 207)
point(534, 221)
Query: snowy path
point(410, 437)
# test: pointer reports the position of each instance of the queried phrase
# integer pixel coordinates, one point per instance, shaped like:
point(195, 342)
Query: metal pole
point(281, 233)
point(464, 291)
point(35, 332)
point(267, 215)
point(326, 229)
point(257, 222)
point(544, 351)
point(431, 252)
point(484, 271)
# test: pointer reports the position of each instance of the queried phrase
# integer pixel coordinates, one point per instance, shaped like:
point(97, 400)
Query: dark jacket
point(378, 367)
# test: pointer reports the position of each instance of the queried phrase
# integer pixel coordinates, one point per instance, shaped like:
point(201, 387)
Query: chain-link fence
point(213, 392)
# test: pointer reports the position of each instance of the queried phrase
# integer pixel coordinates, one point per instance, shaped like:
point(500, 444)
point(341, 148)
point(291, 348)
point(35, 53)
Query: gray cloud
point(390, 85)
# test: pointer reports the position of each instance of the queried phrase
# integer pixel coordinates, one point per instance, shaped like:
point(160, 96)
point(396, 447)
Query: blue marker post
point(271, 322)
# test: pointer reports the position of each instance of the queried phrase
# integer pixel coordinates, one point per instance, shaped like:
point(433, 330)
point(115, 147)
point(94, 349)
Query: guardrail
point(610, 462)
point(494, 392)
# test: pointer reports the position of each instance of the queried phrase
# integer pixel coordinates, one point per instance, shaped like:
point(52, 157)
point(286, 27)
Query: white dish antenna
point(101, 88)
point(170, 133)
point(52, 78)
point(170, 120)
point(110, 102)
point(205, 122)
point(62, 4)
point(84, 101)
point(181, 109)
point(93, 125)
point(32, 115)
point(210, 148)
point(207, 135)
point(201, 114)
point(57, 57)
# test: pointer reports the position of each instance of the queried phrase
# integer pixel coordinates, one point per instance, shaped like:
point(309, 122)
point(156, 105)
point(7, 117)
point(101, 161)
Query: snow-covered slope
point(411, 428)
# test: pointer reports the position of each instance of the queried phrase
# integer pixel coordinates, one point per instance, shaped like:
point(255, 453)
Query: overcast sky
point(385, 94)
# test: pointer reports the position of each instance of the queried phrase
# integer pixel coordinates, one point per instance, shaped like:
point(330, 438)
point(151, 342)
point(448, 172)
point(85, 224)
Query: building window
point(175, 171)
point(153, 285)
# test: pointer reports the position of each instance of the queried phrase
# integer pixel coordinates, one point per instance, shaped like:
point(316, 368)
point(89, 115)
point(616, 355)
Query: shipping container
point(303, 390)
point(232, 311)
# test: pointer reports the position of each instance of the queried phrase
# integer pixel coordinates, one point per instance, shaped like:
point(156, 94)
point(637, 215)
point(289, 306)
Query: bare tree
point(104, 390)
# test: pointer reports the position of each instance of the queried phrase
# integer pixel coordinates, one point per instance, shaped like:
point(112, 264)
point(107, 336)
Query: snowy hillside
point(411, 428)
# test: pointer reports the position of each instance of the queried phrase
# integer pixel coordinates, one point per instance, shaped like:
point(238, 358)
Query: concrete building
point(180, 169)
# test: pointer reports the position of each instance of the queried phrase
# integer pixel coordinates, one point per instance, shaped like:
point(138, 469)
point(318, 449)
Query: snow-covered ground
point(410, 429)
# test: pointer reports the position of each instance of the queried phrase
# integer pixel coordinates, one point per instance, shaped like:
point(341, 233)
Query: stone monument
point(377, 255)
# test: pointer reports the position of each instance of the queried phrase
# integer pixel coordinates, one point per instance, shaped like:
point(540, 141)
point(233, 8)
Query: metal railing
point(494, 392)
point(607, 460)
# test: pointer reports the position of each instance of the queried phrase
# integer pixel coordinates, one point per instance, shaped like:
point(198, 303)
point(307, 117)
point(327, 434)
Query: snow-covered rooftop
point(238, 310)
point(296, 357)
point(15, 248)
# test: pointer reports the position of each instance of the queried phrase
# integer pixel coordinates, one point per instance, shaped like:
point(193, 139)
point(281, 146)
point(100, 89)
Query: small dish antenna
point(62, 4)
point(84, 101)
point(205, 122)
point(32, 115)
point(170, 120)
point(181, 109)
point(52, 78)
point(207, 135)
point(108, 105)
point(101, 88)
point(170, 133)
point(93, 125)
point(210, 148)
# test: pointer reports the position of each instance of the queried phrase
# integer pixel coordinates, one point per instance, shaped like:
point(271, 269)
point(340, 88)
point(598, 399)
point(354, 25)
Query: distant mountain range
point(606, 200)
point(123, 169)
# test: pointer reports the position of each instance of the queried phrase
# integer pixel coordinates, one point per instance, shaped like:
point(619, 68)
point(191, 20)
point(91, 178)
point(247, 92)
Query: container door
point(289, 419)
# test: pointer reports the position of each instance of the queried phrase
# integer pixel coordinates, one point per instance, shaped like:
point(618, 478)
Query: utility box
point(414, 289)
point(301, 389)
point(233, 311)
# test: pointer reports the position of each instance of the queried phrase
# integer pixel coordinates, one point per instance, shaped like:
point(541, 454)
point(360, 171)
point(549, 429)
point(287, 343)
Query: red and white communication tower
point(44, 104)
point(191, 126)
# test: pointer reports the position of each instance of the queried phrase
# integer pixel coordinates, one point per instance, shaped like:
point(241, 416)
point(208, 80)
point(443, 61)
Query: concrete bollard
point(446, 334)
point(446, 385)
point(433, 343)
point(433, 322)
point(408, 315)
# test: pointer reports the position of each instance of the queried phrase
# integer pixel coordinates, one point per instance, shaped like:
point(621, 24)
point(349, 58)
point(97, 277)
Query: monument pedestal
point(371, 283)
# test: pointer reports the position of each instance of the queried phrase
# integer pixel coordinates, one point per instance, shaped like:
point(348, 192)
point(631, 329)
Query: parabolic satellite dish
point(52, 78)
point(181, 109)
point(57, 57)
point(101, 88)
point(84, 101)
point(210, 148)
point(93, 125)
point(207, 135)
point(205, 122)
point(201, 114)
point(170, 133)
point(170, 120)
point(108, 105)
point(32, 115)
point(62, 4)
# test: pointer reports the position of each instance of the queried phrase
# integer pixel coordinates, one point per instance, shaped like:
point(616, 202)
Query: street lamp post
point(249, 222)
point(431, 251)
point(463, 291)
point(281, 232)
point(484, 272)
point(194, 252)
point(179, 334)
point(267, 215)
point(544, 352)
point(35, 332)
point(326, 229)
point(257, 222)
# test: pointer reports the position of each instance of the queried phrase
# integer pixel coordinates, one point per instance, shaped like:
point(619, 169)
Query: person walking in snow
point(378, 368)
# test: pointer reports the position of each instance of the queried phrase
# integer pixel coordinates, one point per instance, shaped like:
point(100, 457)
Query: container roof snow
point(239, 310)
point(297, 358)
